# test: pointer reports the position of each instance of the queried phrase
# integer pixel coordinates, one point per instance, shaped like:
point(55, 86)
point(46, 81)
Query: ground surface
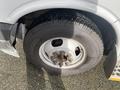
point(17, 74)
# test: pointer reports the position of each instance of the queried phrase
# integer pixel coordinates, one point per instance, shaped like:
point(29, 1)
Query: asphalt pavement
point(17, 74)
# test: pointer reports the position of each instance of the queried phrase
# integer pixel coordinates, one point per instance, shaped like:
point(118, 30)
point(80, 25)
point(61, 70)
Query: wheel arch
point(75, 4)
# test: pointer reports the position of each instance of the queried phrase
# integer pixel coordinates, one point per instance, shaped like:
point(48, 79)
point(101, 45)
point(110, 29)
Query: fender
point(71, 4)
point(83, 5)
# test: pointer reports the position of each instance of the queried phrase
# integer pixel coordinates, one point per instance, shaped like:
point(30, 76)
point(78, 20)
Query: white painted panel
point(8, 6)
point(112, 5)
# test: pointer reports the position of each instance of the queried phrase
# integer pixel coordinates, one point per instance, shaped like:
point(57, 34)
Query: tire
point(68, 24)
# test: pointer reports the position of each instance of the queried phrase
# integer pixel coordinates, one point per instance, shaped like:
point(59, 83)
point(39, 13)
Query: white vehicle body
point(12, 10)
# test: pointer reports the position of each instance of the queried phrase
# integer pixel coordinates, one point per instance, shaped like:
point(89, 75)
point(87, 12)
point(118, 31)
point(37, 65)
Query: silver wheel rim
point(62, 53)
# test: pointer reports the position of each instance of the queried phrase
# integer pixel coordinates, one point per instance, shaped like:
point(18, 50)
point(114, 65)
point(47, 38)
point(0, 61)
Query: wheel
point(64, 42)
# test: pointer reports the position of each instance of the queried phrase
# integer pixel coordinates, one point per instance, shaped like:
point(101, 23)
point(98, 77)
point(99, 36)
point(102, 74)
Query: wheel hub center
point(61, 57)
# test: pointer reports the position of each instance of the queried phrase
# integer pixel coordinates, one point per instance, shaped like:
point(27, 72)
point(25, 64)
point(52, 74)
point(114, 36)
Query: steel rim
point(62, 53)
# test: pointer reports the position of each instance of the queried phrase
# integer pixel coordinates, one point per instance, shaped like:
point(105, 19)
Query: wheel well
point(106, 29)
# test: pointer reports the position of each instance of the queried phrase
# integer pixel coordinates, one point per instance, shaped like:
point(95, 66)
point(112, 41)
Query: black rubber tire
point(65, 24)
